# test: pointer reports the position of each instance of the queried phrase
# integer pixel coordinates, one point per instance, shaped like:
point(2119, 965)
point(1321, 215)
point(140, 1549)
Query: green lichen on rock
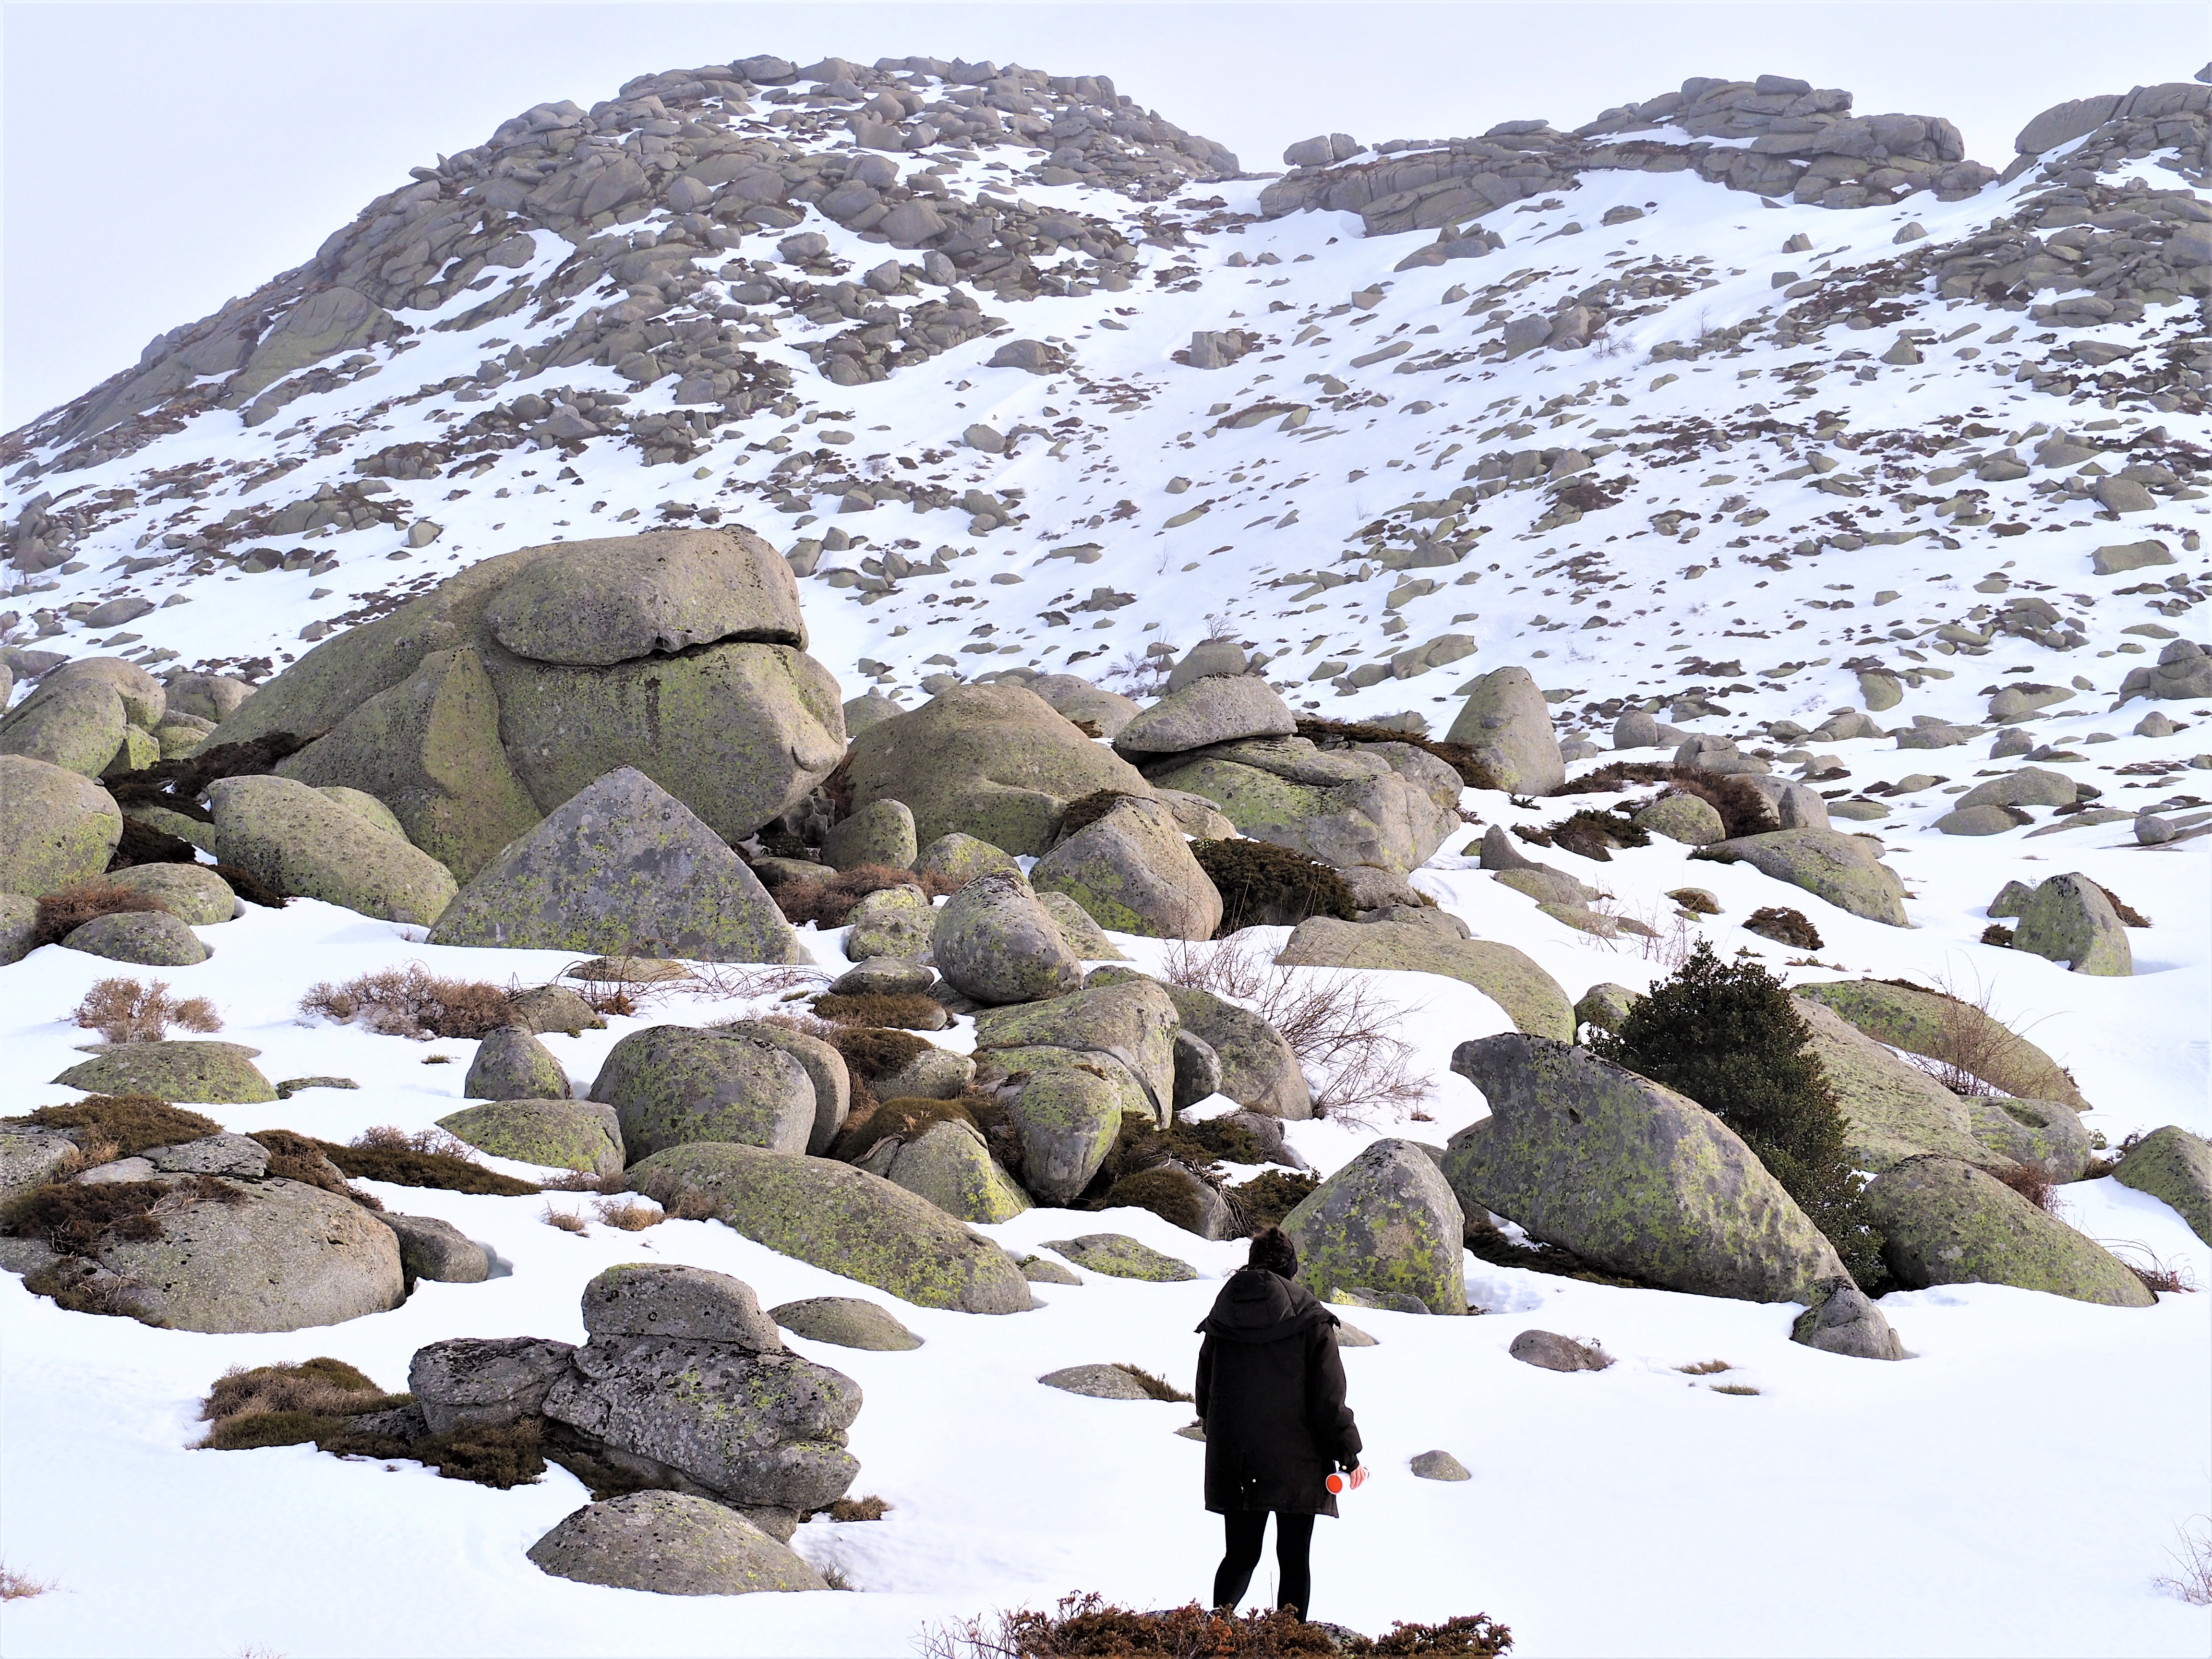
point(292, 838)
point(1120, 1256)
point(76, 725)
point(670, 1084)
point(1532, 999)
point(961, 858)
point(194, 1072)
point(1387, 1220)
point(1629, 1175)
point(193, 892)
point(891, 921)
point(553, 1135)
point(57, 826)
point(1844, 870)
point(2069, 919)
point(1892, 1110)
point(2172, 1164)
point(948, 1164)
point(623, 869)
point(151, 939)
point(1132, 1023)
point(1943, 1028)
point(1067, 1110)
point(1946, 1223)
point(1133, 871)
point(842, 1220)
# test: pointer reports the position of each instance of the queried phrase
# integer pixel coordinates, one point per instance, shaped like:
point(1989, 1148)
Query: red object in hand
point(1340, 1484)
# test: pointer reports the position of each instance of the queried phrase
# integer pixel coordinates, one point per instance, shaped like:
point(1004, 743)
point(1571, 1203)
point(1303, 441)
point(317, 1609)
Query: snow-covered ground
point(2031, 1444)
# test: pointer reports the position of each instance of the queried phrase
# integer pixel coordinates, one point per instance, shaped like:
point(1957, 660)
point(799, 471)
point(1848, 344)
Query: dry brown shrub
point(1336, 1022)
point(129, 1123)
point(583, 1181)
point(1784, 927)
point(323, 1387)
point(829, 903)
point(61, 914)
point(295, 1157)
point(2032, 1182)
point(2191, 1578)
point(901, 1009)
point(1157, 1386)
point(21, 1586)
point(1705, 1368)
point(858, 1509)
point(1087, 1626)
point(428, 1157)
point(694, 1206)
point(413, 1002)
point(125, 1011)
point(628, 1215)
point(567, 1220)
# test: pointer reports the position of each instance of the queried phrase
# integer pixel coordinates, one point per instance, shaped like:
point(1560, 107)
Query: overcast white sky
point(160, 159)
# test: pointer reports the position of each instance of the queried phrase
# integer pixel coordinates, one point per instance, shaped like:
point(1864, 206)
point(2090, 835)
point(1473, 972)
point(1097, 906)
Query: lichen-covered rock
point(599, 602)
point(674, 1085)
point(57, 826)
point(292, 838)
point(435, 1249)
point(2068, 919)
point(847, 1322)
point(78, 725)
point(647, 1299)
point(1842, 1319)
point(2043, 1133)
point(1068, 1113)
point(1218, 709)
point(1084, 936)
point(671, 1543)
point(2172, 1164)
point(1549, 1351)
point(843, 1220)
point(1096, 1382)
point(281, 1257)
point(1942, 1027)
point(994, 762)
point(1891, 1108)
point(1684, 818)
point(193, 892)
point(2184, 670)
point(1080, 700)
point(824, 1067)
point(1339, 806)
point(544, 1008)
point(627, 869)
point(1389, 1220)
point(961, 858)
point(152, 939)
point(995, 942)
point(881, 832)
point(1532, 999)
point(948, 1164)
point(891, 921)
point(1844, 870)
point(1120, 1256)
point(186, 1072)
point(1946, 1223)
point(1628, 1175)
point(1606, 1004)
point(30, 1156)
point(484, 1382)
point(1131, 870)
point(513, 1065)
point(553, 1135)
point(1508, 724)
point(1131, 1022)
point(206, 696)
point(19, 927)
point(1258, 1070)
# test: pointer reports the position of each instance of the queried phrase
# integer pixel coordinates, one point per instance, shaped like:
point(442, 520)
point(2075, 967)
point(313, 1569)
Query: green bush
point(1264, 885)
point(1728, 1035)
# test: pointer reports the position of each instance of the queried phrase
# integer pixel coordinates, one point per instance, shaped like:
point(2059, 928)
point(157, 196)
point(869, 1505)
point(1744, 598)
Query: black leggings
point(1243, 1530)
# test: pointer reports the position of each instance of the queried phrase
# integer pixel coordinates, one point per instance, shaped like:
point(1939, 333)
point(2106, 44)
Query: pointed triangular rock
point(622, 868)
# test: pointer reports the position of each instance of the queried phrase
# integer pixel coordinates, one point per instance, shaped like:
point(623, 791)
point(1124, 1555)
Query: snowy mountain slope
point(1853, 440)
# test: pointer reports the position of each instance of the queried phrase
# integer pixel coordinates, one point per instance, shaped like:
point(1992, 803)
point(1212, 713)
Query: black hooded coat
point(1270, 1395)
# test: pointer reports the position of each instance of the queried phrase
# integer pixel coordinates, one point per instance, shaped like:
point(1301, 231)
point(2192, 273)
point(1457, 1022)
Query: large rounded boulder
point(57, 826)
point(673, 1084)
point(298, 841)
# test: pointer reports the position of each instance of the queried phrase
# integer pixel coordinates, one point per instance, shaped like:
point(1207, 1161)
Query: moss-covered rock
point(57, 826)
point(1507, 723)
point(514, 1065)
point(2069, 919)
point(994, 762)
point(151, 939)
point(76, 725)
point(1084, 936)
point(1120, 1256)
point(2044, 1133)
point(609, 599)
point(1893, 1111)
point(1532, 999)
point(842, 1220)
point(881, 832)
point(825, 1068)
point(1327, 807)
point(292, 838)
point(1387, 1220)
point(1218, 708)
point(673, 1084)
point(2172, 1164)
point(19, 927)
point(1941, 1027)
point(1630, 1177)
point(1844, 870)
point(995, 942)
point(1067, 1107)
point(179, 734)
point(428, 751)
point(191, 1072)
point(553, 1135)
point(948, 1164)
point(960, 859)
point(624, 868)
point(849, 1321)
point(1684, 818)
point(1132, 1021)
point(891, 921)
point(193, 892)
point(1946, 1223)
point(1258, 1070)
point(1131, 870)
point(671, 1544)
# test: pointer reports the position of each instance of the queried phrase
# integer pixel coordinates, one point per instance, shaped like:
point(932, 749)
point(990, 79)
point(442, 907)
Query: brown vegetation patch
point(61, 914)
point(129, 1123)
point(124, 1010)
point(1157, 1386)
point(857, 1509)
point(413, 1002)
point(2129, 915)
point(2031, 1180)
point(142, 843)
point(1264, 885)
point(1462, 758)
point(1087, 1626)
point(876, 1009)
point(1086, 810)
point(870, 1051)
point(1784, 927)
point(251, 888)
point(1265, 1199)
point(911, 1116)
point(829, 903)
point(75, 1220)
point(403, 1160)
point(178, 784)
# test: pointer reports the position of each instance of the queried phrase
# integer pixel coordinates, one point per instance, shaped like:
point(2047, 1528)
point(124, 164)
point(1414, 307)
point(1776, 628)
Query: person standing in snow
point(1270, 1395)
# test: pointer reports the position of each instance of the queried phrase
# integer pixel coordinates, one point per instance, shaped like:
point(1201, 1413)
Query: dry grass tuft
point(1158, 1386)
point(21, 1586)
point(898, 1009)
point(61, 914)
point(125, 1011)
point(1784, 927)
point(628, 1215)
point(1336, 1023)
point(1087, 1626)
point(567, 1220)
point(858, 1509)
point(1734, 1387)
point(2032, 1182)
point(129, 1123)
point(1705, 1368)
point(2192, 1579)
point(413, 1002)
point(428, 1157)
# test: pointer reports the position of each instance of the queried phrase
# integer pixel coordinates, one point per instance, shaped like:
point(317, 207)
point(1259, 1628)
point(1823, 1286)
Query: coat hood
point(1257, 1305)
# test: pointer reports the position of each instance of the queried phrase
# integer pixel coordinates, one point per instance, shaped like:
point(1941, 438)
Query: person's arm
point(1204, 1376)
point(1330, 1419)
